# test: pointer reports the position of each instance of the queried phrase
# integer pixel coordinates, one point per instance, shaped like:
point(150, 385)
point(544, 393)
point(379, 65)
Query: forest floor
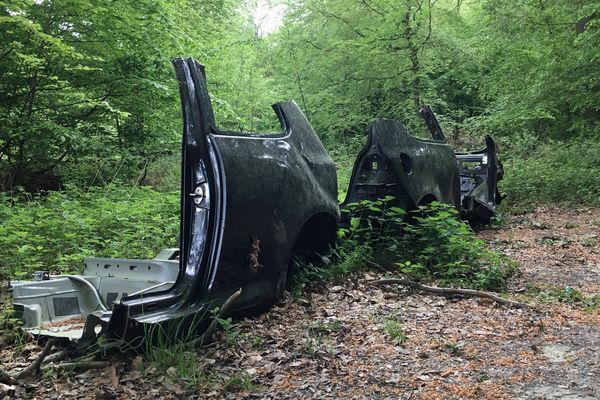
point(355, 340)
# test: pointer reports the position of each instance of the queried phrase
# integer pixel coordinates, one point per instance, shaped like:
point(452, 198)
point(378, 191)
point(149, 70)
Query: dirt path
point(357, 341)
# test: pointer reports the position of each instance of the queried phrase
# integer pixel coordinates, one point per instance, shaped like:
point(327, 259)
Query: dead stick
point(208, 333)
point(33, 368)
point(452, 291)
point(6, 378)
point(81, 365)
point(59, 356)
point(375, 265)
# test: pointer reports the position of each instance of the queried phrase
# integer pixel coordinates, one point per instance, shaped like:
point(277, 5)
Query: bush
point(555, 172)
point(55, 231)
point(432, 244)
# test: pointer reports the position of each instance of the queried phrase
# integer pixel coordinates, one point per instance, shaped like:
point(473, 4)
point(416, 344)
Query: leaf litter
point(333, 343)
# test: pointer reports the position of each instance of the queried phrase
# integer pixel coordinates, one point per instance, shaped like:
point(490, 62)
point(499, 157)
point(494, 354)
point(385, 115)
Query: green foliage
point(88, 96)
point(433, 244)
point(501, 67)
point(541, 57)
point(231, 331)
point(429, 244)
point(439, 246)
point(87, 92)
point(567, 294)
point(348, 259)
point(10, 325)
point(167, 350)
point(54, 232)
point(524, 72)
point(325, 327)
point(172, 350)
point(454, 348)
point(358, 70)
point(258, 342)
point(395, 330)
point(555, 172)
point(240, 381)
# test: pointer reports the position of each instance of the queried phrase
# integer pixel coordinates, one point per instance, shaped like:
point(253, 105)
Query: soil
point(356, 340)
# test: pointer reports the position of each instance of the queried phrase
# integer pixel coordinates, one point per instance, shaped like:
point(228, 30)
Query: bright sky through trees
point(268, 17)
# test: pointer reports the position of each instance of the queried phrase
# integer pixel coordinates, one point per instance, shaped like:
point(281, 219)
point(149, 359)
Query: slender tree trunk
point(413, 52)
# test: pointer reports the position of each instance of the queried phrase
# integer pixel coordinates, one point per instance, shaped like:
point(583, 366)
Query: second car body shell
point(412, 170)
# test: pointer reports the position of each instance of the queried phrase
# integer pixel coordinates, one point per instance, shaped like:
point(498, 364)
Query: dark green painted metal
point(394, 163)
point(261, 189)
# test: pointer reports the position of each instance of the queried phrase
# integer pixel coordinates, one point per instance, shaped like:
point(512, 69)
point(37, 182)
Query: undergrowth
point(169, 350)
point(567, 295)
point(395, 330)
point(554, 172)
point(56, 230)
point(429, 244)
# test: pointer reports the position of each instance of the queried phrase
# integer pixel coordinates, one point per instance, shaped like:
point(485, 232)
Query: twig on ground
point(379, 267)
point(452, 291)
point(59, 356)
point(34, 367)
point(81, 365)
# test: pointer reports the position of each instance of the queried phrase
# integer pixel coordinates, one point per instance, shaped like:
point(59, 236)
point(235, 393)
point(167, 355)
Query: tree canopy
point(87, 94)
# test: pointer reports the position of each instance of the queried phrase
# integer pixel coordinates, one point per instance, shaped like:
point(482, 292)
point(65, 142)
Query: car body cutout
point(248, 203)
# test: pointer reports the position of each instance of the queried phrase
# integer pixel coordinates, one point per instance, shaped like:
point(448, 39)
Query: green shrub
point(439, 246)
point(55, 231)
point(431, 245)
point(554, 172)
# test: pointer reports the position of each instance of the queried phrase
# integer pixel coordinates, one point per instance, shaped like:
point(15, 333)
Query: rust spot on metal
point(253, 256)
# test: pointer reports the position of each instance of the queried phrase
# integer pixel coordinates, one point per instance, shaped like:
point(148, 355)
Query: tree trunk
point(413, 51)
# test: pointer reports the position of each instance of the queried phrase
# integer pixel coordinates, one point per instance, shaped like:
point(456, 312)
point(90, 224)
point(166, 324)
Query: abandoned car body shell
point(245, 201)
point(479, 173)
point(416, 171)
point(248, 203)
point(412, 170)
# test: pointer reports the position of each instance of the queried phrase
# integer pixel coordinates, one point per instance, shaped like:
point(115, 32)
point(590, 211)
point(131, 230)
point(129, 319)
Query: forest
point(89, 107)
point(90, 159)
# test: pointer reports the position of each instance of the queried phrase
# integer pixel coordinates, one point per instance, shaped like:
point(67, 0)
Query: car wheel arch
point(315, 237)
point(426, 200)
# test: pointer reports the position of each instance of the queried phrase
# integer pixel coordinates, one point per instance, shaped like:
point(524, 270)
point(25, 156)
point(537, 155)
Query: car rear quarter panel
point(274, 185)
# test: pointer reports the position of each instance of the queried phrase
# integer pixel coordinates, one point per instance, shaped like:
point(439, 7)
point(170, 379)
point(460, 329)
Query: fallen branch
point(375, 265)
point(6, 379)
point(81, 365)
point(59, 356)
point(34, 367)
point(206, 337)
point(452, 291)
